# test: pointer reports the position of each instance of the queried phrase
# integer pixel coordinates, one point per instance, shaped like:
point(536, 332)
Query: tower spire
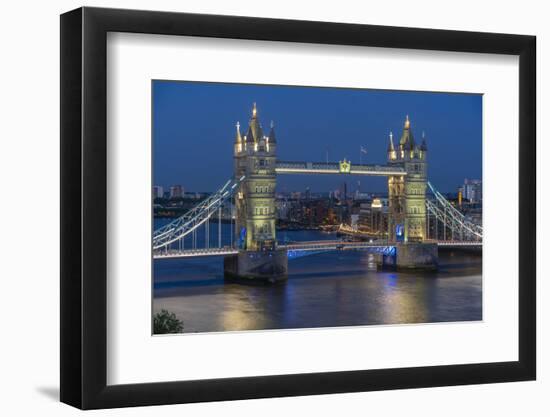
point(238, 138)
point(390, 144)
point(407, 139)
point(272, 138)
point(392, 155)
point(424, 145)
point(254, 133)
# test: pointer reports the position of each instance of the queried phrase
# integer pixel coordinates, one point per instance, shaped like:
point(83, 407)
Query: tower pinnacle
point(407, 140)
point(390, 145)
point(272, 138)
point(423, 146)
point(254, 133)
point(238, 138)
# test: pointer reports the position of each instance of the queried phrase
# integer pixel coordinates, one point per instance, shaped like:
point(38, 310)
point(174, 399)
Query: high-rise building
point(344, 190)
point(374, 216)
point(158, 191)
point(176, 191)
point(473, 190)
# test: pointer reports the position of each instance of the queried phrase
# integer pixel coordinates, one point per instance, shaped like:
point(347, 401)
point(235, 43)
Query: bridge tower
point(407, 194)
point(255, 158)
point(407, 200)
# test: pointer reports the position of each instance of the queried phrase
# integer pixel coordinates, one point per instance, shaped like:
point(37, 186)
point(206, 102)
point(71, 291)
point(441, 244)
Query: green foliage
point(166, 322)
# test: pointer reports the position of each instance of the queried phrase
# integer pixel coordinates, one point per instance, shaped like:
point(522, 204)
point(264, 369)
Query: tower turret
point(271, 136)
point(392, 156)
point(238, 139)
point(254, 133)
point(424, 145)
point(407, 138)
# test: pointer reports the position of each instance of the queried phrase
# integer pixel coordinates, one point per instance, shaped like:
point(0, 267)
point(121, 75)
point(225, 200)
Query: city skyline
point(194, 127)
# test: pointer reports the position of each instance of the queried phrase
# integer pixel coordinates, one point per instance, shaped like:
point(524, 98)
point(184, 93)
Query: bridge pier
point(267, 266)
point(411, 257)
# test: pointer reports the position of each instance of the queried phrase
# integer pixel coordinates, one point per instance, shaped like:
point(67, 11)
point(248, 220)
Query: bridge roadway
point(314, 246)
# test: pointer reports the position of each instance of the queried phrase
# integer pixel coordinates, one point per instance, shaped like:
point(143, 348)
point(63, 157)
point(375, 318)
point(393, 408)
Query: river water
point(325, 290)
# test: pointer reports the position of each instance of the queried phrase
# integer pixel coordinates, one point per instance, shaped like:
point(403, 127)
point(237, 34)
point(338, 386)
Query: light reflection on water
point(325, 290)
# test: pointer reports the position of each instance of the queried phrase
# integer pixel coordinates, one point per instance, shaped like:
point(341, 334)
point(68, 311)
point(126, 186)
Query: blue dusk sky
point(194, 130)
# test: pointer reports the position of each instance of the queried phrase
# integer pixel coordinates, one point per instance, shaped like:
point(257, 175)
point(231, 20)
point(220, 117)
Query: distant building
point(472, 190)
point(374, 215)
point(158, 191)
point(359, 196)
point(176, 191)
point(354, 219)
point(282, 209)
point(344, 191)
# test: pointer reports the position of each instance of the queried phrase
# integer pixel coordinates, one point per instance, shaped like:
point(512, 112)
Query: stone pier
point(410, 257)
point(268, 266)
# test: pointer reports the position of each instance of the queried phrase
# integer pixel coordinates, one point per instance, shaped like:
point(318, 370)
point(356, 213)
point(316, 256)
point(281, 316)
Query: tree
point(166, 322)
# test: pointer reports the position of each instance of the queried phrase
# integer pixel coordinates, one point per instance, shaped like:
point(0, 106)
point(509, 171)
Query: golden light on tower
point(345, 166)
point(392, 154)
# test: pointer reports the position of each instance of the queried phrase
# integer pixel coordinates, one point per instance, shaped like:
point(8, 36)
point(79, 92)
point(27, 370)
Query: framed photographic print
point(258, 208)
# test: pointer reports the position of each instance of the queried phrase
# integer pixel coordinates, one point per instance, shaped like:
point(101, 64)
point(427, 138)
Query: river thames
point(341, 288)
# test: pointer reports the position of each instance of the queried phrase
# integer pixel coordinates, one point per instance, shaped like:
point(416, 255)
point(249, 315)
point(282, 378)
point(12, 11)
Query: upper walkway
point(345, 167)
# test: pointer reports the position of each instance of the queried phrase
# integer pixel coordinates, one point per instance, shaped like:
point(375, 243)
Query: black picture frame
point(84, 207)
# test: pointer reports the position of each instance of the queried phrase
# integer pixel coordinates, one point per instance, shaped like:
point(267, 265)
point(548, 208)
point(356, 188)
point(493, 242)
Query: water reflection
point(327, 290)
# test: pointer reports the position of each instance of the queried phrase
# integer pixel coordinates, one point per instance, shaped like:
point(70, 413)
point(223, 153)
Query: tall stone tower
point(407, 194)
point(255, 159)
point(254, 156)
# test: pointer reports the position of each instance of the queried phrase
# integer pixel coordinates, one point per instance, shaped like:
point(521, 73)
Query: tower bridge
point(254, 252)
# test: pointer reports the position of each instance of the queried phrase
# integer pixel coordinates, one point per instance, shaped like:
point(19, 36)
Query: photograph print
point(297, 207)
